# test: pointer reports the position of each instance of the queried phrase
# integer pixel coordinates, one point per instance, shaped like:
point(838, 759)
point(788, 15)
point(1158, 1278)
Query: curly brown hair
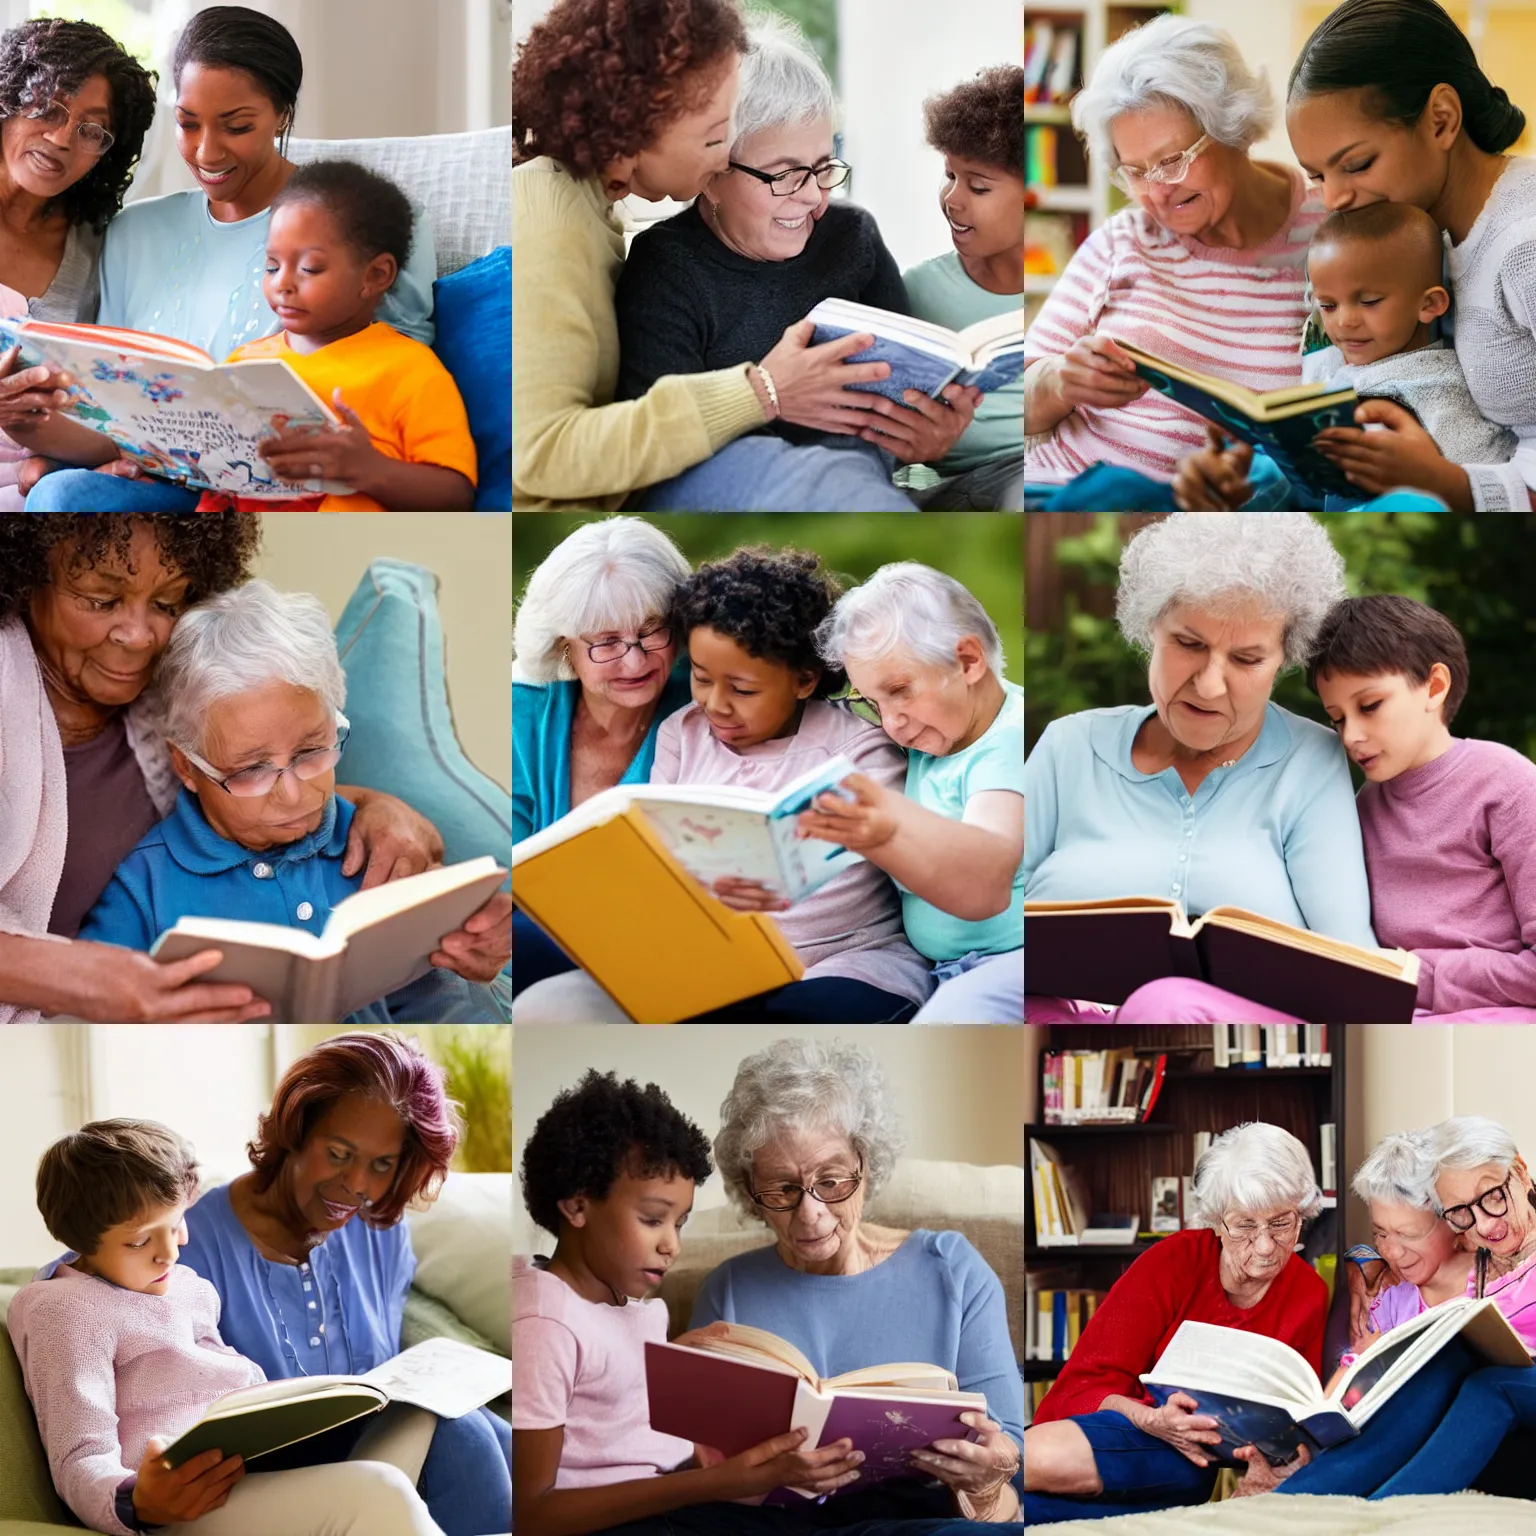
point(983, 119)
point(212, 550)
point(599, 79)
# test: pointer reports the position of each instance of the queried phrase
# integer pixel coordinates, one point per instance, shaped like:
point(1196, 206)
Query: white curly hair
point(1254, 1167)
point(1400, 1170)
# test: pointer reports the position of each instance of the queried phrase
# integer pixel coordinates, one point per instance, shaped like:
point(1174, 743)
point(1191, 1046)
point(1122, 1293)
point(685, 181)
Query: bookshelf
point(1116, 1163)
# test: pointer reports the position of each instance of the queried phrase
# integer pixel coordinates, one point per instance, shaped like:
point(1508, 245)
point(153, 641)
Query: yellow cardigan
point(571, 445)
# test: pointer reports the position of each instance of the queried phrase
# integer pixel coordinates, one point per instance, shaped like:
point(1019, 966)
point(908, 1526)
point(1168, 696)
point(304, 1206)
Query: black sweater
point(688, 303)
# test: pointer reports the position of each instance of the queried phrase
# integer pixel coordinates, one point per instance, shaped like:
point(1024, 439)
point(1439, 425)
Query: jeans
point(977, 989)
point(82, 490)
point(441, 997)
point(763, 473)
point(997, 486)
point(535, 956)
point(818, 1000)
point(467, 1478)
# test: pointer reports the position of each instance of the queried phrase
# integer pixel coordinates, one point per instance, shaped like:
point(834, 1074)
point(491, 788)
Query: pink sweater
point(107, 1368)
point(1237, 314)
point(1450, 851)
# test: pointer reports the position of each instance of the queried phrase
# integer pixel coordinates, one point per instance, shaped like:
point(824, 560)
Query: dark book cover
point(915, 368)
point(1101, 957)
point(716, 1400)
point(1275, 1432)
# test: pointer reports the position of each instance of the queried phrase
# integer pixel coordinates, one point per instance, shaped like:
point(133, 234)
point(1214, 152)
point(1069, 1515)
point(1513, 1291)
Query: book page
point(1389, 962)
point(996, 334)
point(758, 1344)
point(715, 842)
point(1234, 1361)
point(906, 1376)
point(924, 335)
point(444, 1376)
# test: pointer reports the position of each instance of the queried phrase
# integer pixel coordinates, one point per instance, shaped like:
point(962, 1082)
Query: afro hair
point(982, 120)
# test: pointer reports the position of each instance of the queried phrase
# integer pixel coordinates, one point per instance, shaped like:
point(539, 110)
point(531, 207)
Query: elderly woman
point(593, 679)
point(87, 607)
point(312, 1260)
point(616, 98)
point(758, 250)
point(1211, 793)
point(808, 1134)
point(252, 690)
point(1097, 1446)
point(1205, 269)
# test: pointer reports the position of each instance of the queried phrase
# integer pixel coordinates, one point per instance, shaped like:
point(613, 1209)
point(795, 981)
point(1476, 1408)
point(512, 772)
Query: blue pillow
point(473, 311)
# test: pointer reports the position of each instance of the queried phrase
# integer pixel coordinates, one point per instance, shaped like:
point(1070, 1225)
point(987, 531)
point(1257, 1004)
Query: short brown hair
point(107, 1173)
point(599, 79)
point(1385, 634)
point(982, 119)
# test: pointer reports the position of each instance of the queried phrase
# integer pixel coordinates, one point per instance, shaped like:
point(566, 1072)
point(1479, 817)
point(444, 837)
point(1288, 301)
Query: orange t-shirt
point(400, 391)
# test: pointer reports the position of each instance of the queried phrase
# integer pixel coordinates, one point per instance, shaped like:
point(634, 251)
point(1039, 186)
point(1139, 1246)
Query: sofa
point(1450, 1514)
point(463, 1249)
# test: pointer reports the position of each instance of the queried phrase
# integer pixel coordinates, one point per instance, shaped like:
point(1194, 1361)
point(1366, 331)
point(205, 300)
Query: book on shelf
point(1060, 1205)
point(1262, 1392)
point(374, 942)
point(1285, 1045)
point(1111, 1228)
point(1114, 1087)
point(1328, 1170)
point(1055, 1317)
point(1105, 950)
point(1166, 1216)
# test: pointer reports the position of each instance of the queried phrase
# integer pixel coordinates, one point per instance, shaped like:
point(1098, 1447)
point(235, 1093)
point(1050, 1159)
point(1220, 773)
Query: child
point(339, 234)
point(920, 648)
point(251, 680)
point(1449, 824)
point(1376, 275)
point(121, 1354)
point(610, 1169)
point(975, 127)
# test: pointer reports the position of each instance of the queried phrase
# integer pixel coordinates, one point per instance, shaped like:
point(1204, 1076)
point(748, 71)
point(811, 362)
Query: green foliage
point(132, 26)
point(477, 1063)
point(816, 18)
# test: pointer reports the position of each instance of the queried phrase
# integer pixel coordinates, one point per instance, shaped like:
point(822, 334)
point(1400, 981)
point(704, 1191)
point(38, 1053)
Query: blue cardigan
point(541, 748)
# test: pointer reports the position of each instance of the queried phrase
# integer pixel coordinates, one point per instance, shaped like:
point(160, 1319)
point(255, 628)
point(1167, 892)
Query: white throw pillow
point(463, 1249)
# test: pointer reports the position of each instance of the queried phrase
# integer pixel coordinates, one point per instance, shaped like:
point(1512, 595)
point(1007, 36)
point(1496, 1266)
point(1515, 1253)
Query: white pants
point(570, 998)
point(991, 991)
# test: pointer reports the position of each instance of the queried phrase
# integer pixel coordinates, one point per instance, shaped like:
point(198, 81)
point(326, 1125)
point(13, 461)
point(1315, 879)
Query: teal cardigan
point(541, 747)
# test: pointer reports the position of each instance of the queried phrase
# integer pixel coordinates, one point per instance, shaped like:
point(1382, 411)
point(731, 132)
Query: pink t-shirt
point(1515, 1296)
point(581, 1364)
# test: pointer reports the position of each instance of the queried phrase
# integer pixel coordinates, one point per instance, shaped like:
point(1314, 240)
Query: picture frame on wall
point(1165, 1204)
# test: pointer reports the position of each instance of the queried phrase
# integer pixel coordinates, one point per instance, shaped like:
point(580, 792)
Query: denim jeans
point(82, 490)
point(997, 486)
point(817, 1000)
point(466, 1480)
point(977, 989)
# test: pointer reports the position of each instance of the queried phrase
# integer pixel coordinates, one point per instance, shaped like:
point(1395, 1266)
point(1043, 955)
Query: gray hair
point(612, 574)
point(238, 640)
point(1254, 1167)
point(907, 607)
point(782, 81)
point(807, 1084)
point(1469, 1141)
point(1173, 61)
point(1400, 1171)
point(1283, 561)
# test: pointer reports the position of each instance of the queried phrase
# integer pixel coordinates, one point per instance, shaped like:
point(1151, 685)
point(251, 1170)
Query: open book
point(1104, 950)
point(1282, 422)
point(925, 356)
point(747, 1386)
point(178, 413)
point(444, 1376)
point(374, 942)
point(1261, 1392)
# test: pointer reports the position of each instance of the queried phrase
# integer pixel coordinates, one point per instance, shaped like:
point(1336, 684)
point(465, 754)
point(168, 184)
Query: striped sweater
point(1236, 314)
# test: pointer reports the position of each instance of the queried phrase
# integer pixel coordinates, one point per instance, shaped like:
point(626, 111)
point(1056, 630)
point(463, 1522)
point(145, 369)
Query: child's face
point(631, 1237)
point(984, 206)
point(746, 699)
point(924, 707)
point(269, 724)
point(1369, 308)
point(140, 1253)
point(1388, 724)
point(317, 283)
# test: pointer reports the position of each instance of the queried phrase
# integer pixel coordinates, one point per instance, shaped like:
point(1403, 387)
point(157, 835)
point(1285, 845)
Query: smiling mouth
point(960, 229)
point(46, 163)
point(214, 178)
point(796, 224)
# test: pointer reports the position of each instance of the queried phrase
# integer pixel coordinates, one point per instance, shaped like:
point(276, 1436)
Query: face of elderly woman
point(45, 160)
point(349, 1156)
point(924, 707)
point(814, 1237)
point(1212, 673)
point(634, 679)
point(744, 213)
point(1259, 1243)
point(1415, 1242)
point(1503, 1234)
point(1144, 138)
point(99, 631)
point(689, 150)
point(270, 723)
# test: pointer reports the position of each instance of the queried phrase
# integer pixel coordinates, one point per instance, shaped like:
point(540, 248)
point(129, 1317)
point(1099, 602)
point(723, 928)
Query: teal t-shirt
point(945, 785)
point(940, 291)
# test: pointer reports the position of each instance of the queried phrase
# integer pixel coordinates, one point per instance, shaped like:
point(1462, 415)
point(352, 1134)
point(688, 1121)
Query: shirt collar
point(1115, 731)
point(194, 845)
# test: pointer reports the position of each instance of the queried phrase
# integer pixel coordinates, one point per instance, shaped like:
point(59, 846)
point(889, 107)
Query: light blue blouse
point(1276, 833)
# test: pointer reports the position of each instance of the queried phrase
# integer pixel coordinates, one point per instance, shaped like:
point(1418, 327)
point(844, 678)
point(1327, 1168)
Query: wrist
point(1454, 487)
point(766, 390)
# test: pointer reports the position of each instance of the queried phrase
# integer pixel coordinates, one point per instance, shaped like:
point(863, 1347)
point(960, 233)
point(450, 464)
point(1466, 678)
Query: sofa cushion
point(463, 1244)
point(26, 1489)
point(473, 312)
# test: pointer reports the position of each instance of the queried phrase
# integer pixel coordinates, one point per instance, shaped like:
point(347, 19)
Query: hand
point(124, 469)
point(779, 1463)
point(392, 839)
point(974, 1467)
point(482, 947)
point(748, 895)
point(1365, 1285)
point(162, 1496)
point(28, 397)
point(812, 381)
point(1404, 455)
point(1178, 1423)
point(1216, 478)
point(33, 469)
point(864, 822)
point(1094, 371)
point(922, 431)
point(343, 453)
point(108, 985)
point(1260, 1476)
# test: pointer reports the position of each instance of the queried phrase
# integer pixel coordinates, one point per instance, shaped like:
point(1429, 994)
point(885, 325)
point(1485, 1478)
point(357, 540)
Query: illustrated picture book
point(374, 942)
point(1103, 951)
point(925, 356)
point(444, 1376)
point(1262, 1392)
point(1282, 422)
point(178, 413)
point(748, 1385)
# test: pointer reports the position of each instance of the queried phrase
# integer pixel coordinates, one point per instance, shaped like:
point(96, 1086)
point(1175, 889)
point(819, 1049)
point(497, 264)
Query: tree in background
point(817, 19)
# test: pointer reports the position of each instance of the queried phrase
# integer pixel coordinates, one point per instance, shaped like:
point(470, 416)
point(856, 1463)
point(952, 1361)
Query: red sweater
point(1179, 1281)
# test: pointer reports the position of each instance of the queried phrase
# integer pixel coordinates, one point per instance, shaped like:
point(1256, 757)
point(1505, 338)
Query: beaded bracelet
point(773, 394)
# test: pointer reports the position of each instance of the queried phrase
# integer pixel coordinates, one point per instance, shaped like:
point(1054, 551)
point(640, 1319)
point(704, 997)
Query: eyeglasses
point(830, 1189)
point(252, 783)
point(616, 650)
point(1494, 1203)
point(829, 174)
point(1281, 1232)
point(1169, 172)
point(89, 135)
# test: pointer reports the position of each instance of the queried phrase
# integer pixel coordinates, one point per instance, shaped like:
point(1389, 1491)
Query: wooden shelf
point(1151, 1127)
point(1242, 1074)
point(1042, 1370)
point(1062, 200)
point(1058, 114)
point(1093, 1250)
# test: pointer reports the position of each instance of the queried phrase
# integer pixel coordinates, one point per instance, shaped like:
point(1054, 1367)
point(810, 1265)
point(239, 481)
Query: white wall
point(1266, 36)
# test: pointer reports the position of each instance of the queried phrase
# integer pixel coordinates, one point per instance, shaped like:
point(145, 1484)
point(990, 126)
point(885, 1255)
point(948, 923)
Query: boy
point(1449, 824)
